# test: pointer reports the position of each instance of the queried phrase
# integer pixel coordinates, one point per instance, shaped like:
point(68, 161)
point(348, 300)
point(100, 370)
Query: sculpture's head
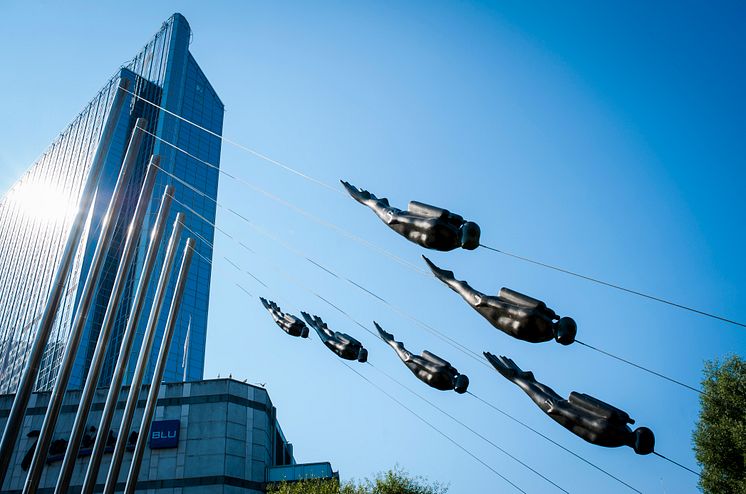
point(470, 235)
point(362, 355)
point(462, 382)
point(304, 332)
point(644, 441)
point(565, 330)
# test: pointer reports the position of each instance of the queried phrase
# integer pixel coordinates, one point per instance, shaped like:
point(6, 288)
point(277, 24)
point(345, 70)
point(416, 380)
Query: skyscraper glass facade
point(36, 216)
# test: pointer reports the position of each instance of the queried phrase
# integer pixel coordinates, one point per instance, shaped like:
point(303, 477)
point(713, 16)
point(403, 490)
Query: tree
point(394, 481)
point(720, 435)
point(312, 486)
point(397, 481)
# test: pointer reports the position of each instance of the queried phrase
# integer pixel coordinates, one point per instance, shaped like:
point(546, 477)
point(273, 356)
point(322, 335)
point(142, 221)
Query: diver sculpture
point(429, 226)
point(342, 344)
point(583, 415)
point(518, 315)
point(429, 368)
point(287, 322)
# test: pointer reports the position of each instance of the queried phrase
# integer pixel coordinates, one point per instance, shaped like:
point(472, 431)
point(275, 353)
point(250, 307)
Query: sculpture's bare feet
point(309, 319)
point(387, 337)
point(359, 195)
point(442, 274)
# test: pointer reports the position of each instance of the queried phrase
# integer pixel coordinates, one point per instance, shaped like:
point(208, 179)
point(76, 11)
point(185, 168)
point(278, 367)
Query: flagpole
point(185, 358)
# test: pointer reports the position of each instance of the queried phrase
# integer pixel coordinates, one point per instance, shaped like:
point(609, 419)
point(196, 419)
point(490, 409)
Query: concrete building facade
point(215, 436)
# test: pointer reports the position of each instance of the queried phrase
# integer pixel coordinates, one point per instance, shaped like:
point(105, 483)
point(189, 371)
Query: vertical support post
point(125, 349)
point(76, 332)
point(142, 362)
point(160, 367)
point(97, 361)
point(185, 358)
point(15, 420)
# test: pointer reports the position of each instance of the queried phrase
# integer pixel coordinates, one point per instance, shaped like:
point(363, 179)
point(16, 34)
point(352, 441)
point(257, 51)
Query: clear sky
point(607, 138)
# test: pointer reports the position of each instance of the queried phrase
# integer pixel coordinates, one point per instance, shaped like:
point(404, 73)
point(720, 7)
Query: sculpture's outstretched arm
point(472, 296)
point(520, 299)
point(345, 338)
point(428, 211)
point(404, 354)
point(430, 357)
point(599, 408)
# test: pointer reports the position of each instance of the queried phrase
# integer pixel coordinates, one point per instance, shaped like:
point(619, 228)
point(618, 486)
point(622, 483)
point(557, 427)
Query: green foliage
point(394, 481)
point(313, 486)
point(397, 481)
point(720, 436)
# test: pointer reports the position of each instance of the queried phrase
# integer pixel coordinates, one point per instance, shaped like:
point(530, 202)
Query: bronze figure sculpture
point(429, 226)
point(518, 315)
point(342, 344)
point(583, 415)
point(287, 322)
point(429, 368)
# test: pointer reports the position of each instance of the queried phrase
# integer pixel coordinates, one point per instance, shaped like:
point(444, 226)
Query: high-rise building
point(36, 215)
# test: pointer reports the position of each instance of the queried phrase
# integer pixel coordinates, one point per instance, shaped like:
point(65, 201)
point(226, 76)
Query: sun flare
point(43, 201)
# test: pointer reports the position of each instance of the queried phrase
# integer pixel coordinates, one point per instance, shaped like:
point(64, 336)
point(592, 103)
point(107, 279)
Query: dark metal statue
point(429, 226)
point(342, 344)
point(429, 368)
point(518, 315)
point(585, 416)
point(287, 322)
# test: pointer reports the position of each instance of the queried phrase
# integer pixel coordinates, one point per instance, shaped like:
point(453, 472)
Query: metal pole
point(97, 361)
point(15, 420)
point(125, 349)
point(160, 367)
point(142, 361)
point(76, 332)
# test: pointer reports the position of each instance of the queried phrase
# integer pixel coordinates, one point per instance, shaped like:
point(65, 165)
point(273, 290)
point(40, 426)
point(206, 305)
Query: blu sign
point(164, 434)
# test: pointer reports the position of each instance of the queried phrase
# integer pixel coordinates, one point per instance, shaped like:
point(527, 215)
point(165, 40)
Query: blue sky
point(607, 139)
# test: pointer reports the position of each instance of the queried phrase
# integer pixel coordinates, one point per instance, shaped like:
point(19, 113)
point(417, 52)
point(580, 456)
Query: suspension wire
point(239, 145)
point(208, 243)
point(369, 244)
point(506, 414)
point(245, 290)
point(429, 424)
point(468, 352)
point(457, 345)
point(476, 433)
point(617, 287)
point(449, 438)
point(516, 256)
point(343, 312)
point(676, 463)
point(297, 209)
point(638, 366)
point(290, 278)
point(444, 337)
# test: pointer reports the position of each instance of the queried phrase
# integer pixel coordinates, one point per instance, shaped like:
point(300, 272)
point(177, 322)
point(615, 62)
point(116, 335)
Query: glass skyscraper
point(36, 216)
